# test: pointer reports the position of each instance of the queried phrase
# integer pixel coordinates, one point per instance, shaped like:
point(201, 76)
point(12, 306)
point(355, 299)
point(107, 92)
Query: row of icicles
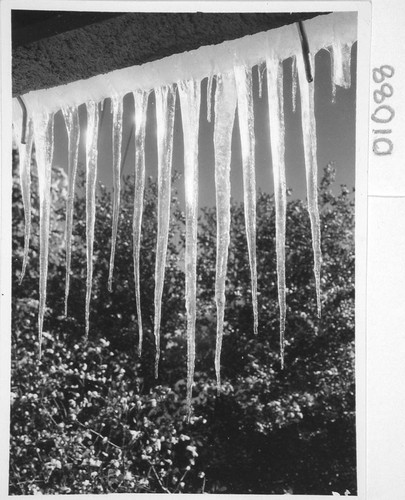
point(233, 90)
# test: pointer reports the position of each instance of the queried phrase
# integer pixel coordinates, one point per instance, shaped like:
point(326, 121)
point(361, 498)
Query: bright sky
point(335, 136)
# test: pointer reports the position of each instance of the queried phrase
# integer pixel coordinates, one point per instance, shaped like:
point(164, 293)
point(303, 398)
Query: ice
point(209, 97)
point(277, 141)
point(25, 151)
point(190, 99)
point(91, 178)
point(165, 110)
point(243, 78)
point(311, 168)
point(225, 107)
point(117, 110)
point(71, 116)
point(260, 72)
point(294, 83)
point(233, 60)
point(198, 64)
point(333, 83)
point(141, 104)
point(44, 145)
point(340, 66)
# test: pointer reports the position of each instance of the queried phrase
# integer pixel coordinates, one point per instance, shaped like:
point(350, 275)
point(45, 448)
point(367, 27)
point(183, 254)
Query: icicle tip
point(218, 386)
point(157, 366)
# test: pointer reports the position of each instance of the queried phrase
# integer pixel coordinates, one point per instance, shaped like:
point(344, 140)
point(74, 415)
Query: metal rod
point(24, 120)
point(305, 51)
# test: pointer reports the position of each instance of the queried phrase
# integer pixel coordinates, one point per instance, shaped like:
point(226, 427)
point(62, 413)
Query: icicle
point(209, 95)
point(345, 82)
point(43, 135)
point(243, 78)
point(294, 83)
point(277, 140)
point(141, 104)
point(311, 167)
point(333, 83)
point(25, 151)
point(260, 72)
point(225, 106)
point(91, 178)
point(71, 116)
point(165, 109)
point(340, 66)
point(190, 98)
point(117, 110)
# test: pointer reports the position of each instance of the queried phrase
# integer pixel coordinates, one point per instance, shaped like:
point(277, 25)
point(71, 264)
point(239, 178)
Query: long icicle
point(91, 178)
point(294, 83)
point(243, 78)
point(340, 66)
point(165, 110)
point(260, 72)
point(209, 97)
point(25, 151)
point(141, 104)
point(190, 99)
point(71, 116)
point(225, 107)
point(117, 110)
point(277, 141)
point(311, 168)
point(44, 145)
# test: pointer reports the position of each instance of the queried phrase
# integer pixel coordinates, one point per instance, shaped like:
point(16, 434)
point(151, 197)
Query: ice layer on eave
point(197, 64)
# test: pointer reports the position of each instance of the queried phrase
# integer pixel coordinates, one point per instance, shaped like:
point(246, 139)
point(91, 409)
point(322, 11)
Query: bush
point(90, 417)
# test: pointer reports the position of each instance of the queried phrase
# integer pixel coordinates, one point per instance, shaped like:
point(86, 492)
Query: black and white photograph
point(186, 314)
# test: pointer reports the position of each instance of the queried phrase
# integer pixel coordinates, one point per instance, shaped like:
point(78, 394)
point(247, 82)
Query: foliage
point(91, 418)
